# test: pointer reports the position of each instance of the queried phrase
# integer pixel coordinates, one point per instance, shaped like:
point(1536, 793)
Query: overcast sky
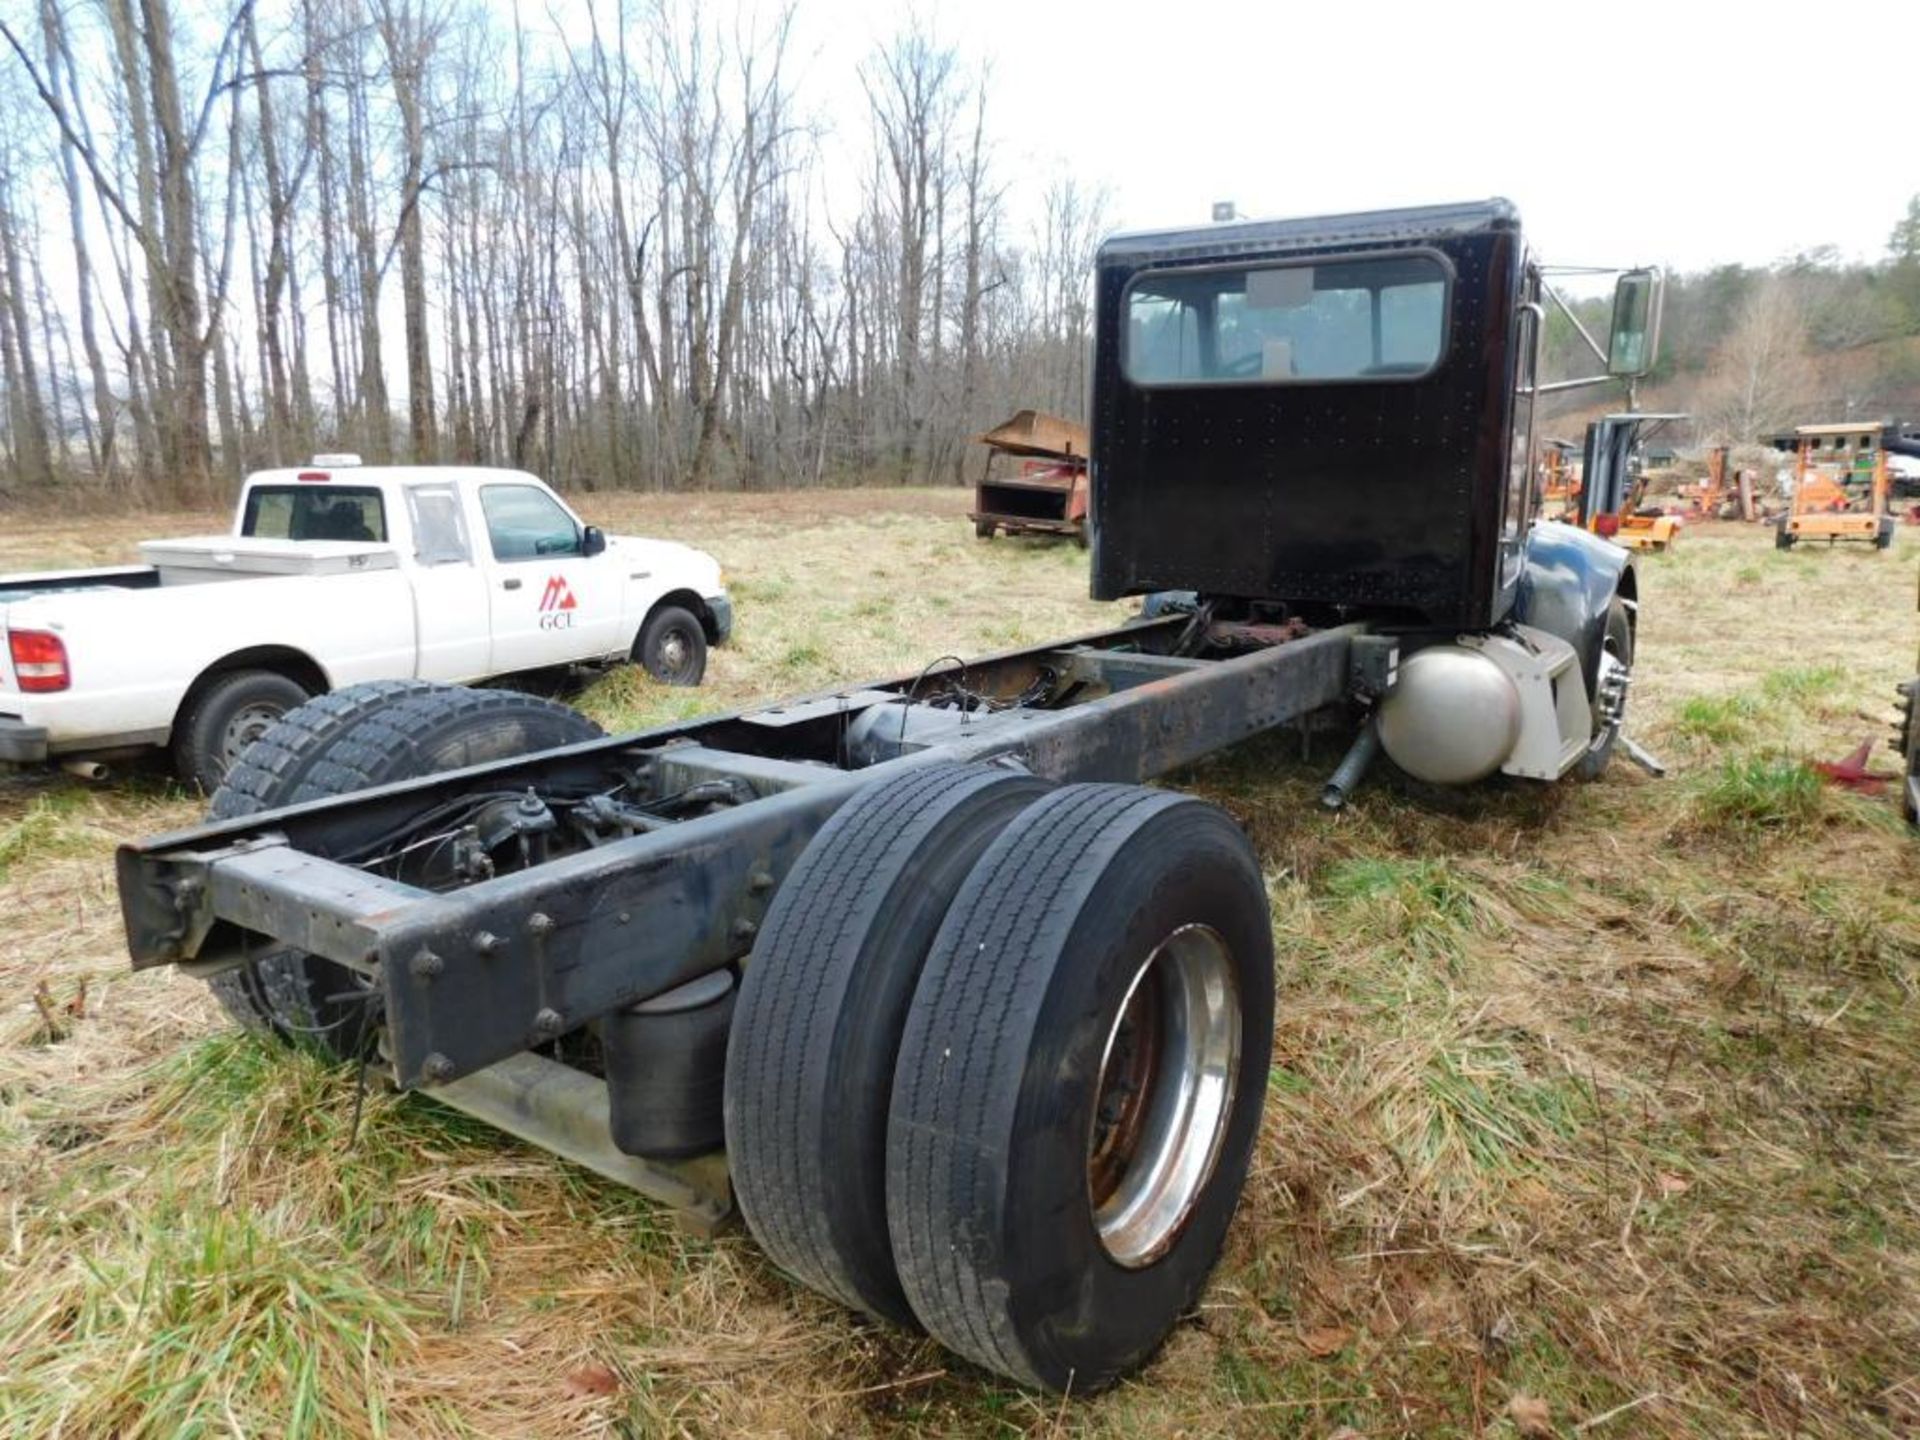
point(1682, 133)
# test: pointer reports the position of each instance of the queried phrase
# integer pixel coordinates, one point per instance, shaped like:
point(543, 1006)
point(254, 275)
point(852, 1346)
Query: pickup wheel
point(271, 771)
point(228, 714)
point(817, 1029)
point(1080, 1084)
point(672, 646)
point(352, 740)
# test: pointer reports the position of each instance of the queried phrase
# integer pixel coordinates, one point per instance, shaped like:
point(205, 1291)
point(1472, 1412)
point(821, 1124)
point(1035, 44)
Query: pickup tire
point(816, 1031)
point(271, 771)
point(1080, 1084)
point(352, 740)
point(225, 717)
point(672, 646)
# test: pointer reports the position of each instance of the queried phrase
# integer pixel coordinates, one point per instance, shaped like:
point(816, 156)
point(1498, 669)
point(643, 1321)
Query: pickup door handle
point(509, 584)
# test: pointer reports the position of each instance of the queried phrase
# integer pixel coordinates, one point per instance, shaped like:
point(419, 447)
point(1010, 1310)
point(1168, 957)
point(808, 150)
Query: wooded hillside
point(604, 247)
point(1749, 350)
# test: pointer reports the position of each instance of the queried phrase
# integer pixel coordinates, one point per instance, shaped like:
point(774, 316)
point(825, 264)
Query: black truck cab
point(1331, 419)
point(1331, 415)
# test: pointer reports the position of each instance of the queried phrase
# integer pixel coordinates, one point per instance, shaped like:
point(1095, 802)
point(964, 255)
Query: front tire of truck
point(672, 646)
point(351, 740)
point(1080, 1084)
point(1609, 705)
point(817, 1030)
point(225, 717)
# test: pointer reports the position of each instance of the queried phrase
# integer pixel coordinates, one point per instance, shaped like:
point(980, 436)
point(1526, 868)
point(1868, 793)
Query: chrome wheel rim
point(1165, 1094)
point(1612, 682)
point(675, 651)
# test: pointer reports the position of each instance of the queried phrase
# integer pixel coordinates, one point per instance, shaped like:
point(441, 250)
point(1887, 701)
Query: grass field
point(1593, 1109)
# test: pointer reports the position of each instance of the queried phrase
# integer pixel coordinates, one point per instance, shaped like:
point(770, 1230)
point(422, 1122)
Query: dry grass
point(1602, 1096)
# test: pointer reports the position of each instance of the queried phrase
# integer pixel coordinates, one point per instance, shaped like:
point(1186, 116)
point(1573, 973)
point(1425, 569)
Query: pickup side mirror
point(1633, 344)
point(593, 541)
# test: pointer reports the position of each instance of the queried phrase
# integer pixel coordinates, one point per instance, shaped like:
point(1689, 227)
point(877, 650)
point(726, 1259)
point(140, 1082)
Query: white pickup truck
point(333, 574)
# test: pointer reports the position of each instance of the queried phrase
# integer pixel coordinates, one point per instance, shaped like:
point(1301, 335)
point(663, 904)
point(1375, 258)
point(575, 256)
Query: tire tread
point(943, 1132)
point(783, 1051)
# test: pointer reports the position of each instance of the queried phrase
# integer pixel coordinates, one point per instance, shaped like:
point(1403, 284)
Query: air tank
point(1452, 718)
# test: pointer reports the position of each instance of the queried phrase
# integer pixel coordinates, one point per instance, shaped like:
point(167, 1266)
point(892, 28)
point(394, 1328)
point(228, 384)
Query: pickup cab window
point(315, 512)
point(439, 526)
point(527, 524)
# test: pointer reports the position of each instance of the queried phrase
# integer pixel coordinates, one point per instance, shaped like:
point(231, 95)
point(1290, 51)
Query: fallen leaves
point(592, 1382)
point(1327, 1340)
point(1531, 1417)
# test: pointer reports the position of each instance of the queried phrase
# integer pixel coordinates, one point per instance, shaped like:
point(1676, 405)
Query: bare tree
point(913, 96)
point(610, 259)
point(1763, 369)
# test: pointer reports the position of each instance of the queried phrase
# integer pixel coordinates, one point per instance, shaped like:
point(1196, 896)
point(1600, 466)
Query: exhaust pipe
point(86, 769)
point(1340, 785)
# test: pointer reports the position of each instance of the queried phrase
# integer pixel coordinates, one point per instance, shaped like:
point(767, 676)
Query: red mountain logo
point(558, 595)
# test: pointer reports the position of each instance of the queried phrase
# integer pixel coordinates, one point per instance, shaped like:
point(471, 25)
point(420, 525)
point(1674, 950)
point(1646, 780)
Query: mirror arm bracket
point(1567, 310)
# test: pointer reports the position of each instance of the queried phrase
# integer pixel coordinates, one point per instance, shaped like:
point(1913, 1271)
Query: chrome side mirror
point(1633, 343)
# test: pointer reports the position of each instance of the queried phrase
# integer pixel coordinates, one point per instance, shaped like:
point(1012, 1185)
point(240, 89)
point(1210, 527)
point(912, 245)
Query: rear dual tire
point(1056, 1200)
point(817, 1029)
point(999, 1063)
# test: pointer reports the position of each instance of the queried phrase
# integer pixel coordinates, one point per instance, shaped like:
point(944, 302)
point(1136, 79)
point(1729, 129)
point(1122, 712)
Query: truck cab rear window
point(1380, 318)
point(314, 512)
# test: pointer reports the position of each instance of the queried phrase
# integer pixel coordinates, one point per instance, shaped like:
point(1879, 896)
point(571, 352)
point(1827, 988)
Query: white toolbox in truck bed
point(196, 558)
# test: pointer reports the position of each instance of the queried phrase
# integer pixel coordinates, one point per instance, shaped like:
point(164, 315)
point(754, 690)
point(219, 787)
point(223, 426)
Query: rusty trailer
point(1035, 480)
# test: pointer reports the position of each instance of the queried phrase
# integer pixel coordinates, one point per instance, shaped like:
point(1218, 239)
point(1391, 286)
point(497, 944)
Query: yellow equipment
point(1610, 493)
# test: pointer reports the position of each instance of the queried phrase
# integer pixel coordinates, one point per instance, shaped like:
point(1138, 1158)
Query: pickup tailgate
point(9, 686)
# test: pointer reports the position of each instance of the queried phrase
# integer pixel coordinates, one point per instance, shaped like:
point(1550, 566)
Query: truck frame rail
point(472, 975)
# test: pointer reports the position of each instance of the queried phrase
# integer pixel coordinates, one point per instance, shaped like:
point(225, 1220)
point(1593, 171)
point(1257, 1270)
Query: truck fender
point(1567, 585)
point(296, 665)
point(694, 604)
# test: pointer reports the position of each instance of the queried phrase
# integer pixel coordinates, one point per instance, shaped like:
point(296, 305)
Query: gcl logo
point(557, 604)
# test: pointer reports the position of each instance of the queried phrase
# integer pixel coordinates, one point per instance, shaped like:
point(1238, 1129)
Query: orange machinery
point(1559, 477)
point(1824, 507)
point(1722, 495)
point(1611, 493)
